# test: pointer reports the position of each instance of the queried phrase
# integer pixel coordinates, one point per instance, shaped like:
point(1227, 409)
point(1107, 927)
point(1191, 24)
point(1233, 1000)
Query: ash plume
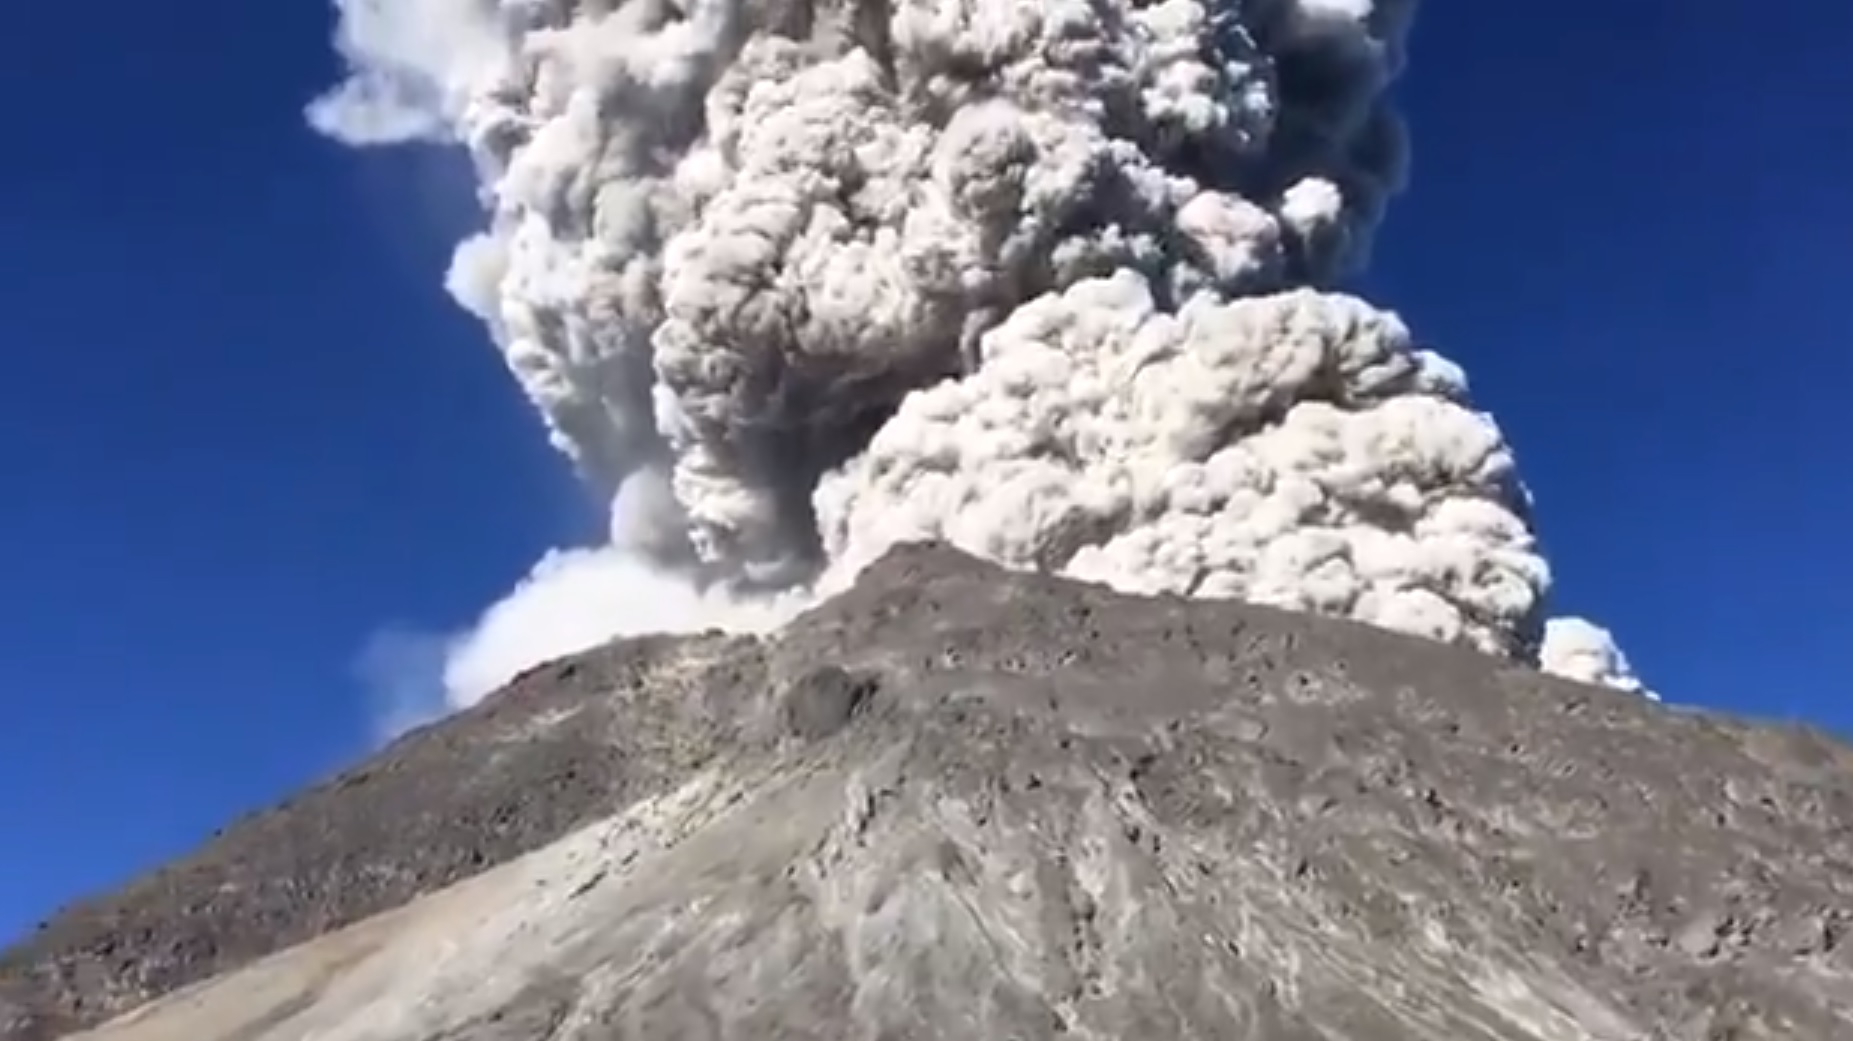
point(1056, 281)
point(1581, 650)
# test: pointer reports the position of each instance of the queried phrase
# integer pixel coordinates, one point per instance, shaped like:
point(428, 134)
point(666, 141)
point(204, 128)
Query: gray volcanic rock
point(958, 802)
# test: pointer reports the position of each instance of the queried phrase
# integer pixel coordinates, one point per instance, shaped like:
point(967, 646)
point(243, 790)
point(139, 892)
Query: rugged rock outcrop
point(959, 802)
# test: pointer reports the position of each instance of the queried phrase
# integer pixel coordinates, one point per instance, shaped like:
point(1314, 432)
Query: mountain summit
point(964, 802)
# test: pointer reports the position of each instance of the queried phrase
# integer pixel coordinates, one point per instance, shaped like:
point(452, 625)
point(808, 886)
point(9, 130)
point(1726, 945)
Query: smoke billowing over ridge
point(792, 280)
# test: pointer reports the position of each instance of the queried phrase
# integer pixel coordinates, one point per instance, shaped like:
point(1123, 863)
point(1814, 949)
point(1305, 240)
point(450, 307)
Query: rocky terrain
point(958, 802)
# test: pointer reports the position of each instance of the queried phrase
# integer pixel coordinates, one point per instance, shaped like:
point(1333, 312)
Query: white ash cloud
point(1052, 280)
point(571, 600)
point(576, 599)
point(1579, 649)
point(1292, 449)
point(402, 670)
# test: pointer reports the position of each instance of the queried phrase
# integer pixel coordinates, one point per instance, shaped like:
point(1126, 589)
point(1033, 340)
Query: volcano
point(965, 802)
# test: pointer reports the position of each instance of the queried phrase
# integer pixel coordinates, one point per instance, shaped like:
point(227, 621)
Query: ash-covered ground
point(963, 801)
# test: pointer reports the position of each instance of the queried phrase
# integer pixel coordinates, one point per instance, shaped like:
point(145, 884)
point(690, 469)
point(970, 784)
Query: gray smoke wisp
point(1053, 280)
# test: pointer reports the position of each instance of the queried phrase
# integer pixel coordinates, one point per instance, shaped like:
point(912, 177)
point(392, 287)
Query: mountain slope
point(960, 802)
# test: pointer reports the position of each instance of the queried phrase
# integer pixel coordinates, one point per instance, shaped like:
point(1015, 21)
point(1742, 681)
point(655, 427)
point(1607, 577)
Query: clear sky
point(245, 429)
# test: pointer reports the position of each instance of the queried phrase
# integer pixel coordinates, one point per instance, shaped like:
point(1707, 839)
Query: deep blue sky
point(245, 428)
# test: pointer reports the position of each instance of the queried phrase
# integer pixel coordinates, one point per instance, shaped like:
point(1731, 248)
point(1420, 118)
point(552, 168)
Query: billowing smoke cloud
point(1581, 650)
point(571, 600)
point(1055, 281)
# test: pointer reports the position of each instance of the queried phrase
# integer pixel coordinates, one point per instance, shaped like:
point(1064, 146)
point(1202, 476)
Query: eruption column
point(1053, 280)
